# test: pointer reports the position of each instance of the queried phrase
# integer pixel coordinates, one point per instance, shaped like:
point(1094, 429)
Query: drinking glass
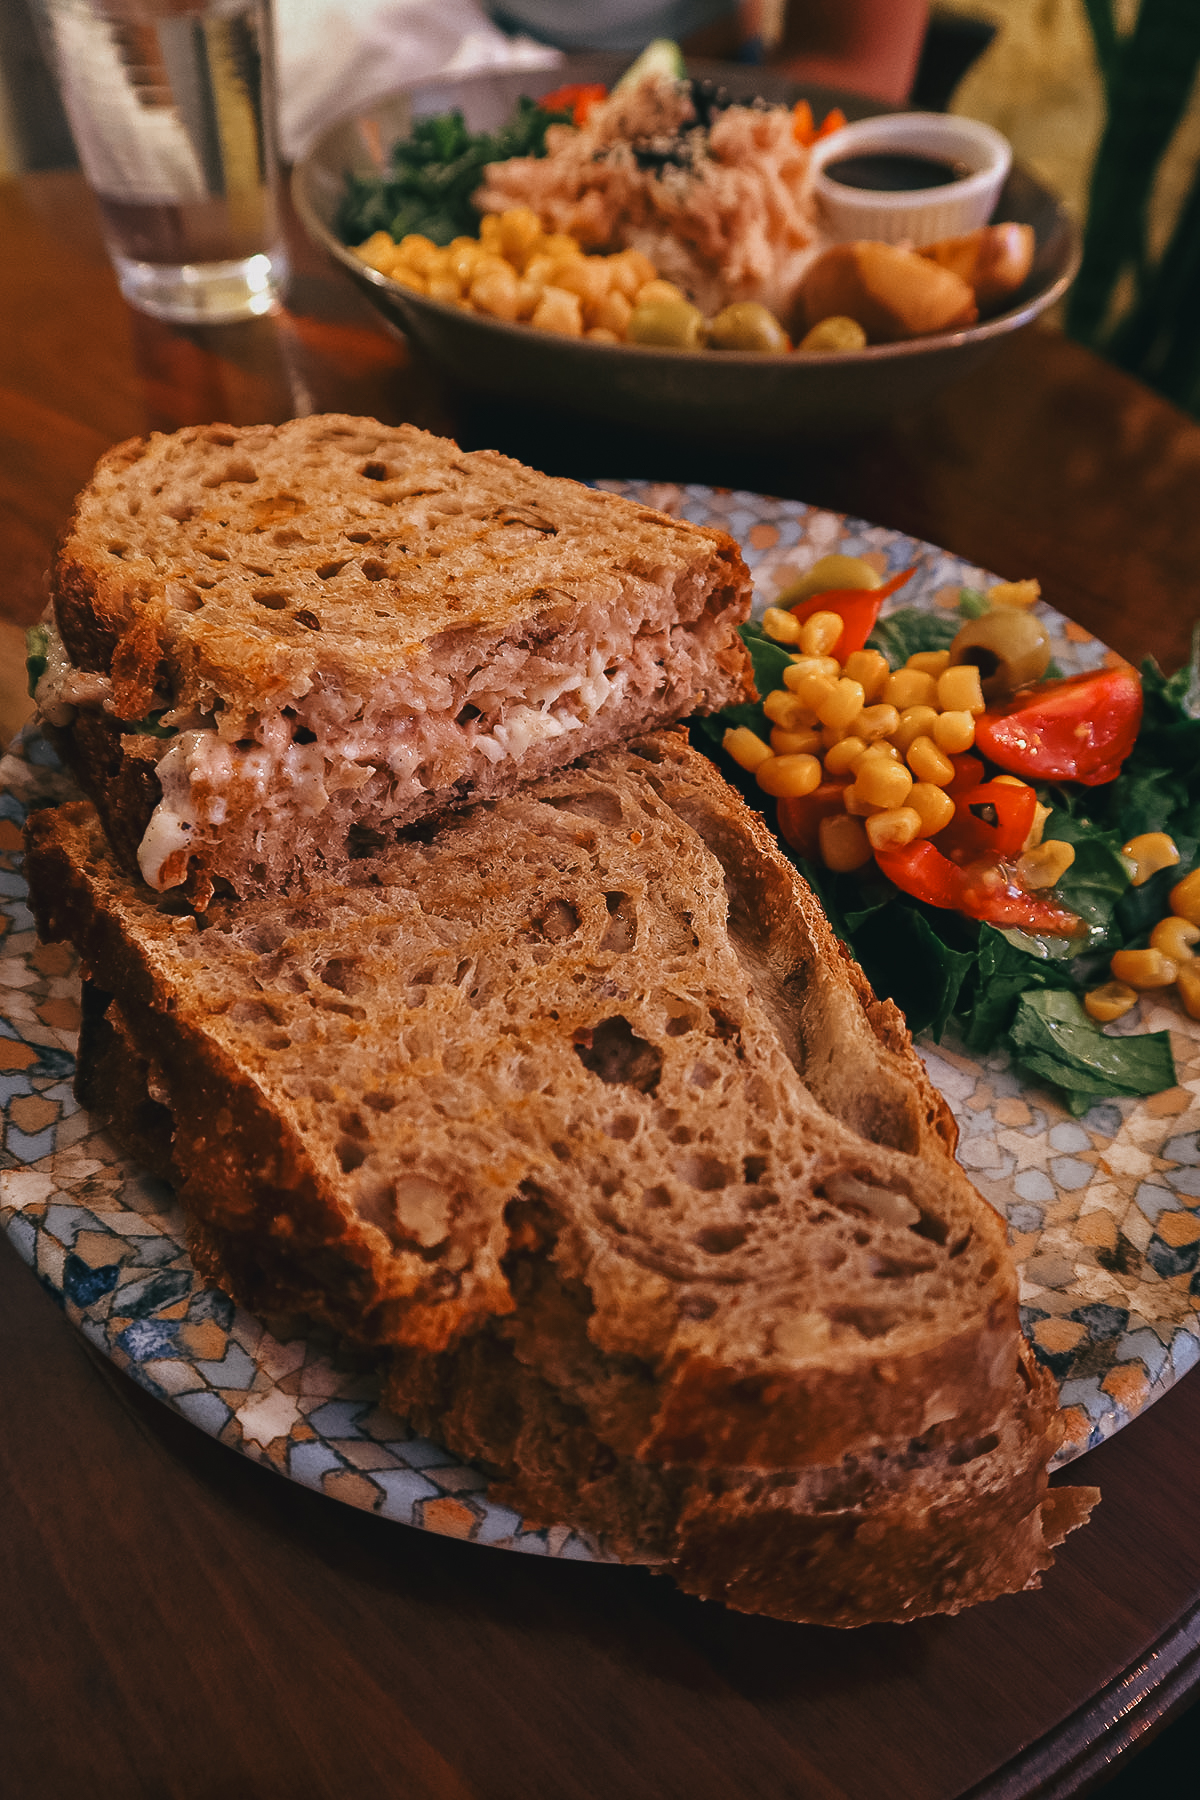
point(171, 105)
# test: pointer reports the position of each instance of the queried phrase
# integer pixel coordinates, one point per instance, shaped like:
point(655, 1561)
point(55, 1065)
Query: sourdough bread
point(578, 1114)
point(312, 631)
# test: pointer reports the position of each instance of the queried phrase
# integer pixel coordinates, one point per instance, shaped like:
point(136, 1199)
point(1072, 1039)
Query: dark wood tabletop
point(180, 1623)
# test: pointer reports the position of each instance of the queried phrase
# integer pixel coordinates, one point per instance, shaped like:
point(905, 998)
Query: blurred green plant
point(1143, 313)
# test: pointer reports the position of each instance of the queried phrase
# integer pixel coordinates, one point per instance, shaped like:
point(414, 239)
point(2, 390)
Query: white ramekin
point(921, 215)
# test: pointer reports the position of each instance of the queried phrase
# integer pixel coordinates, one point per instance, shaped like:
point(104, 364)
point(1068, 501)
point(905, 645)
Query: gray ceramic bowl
point(713, 393)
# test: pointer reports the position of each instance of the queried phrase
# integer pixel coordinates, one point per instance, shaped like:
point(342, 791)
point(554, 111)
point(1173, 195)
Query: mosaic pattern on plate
point(1103, 1211)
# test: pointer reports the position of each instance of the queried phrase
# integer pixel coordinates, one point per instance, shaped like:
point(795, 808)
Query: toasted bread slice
point(578, 1112)
point(278, 638)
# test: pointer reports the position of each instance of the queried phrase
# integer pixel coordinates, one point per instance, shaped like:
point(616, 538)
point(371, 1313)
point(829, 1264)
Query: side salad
point(1000, 847)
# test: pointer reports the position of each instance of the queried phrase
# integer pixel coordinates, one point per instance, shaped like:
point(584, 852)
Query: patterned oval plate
point(1103, 1211)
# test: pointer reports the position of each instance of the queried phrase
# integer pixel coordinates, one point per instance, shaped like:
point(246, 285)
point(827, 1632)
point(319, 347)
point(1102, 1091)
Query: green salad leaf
point(909, 630)
point(1003, 988)
point(1052, 1036)
point(435, 173)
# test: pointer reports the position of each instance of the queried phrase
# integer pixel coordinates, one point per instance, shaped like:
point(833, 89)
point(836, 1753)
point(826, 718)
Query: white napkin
point(337, 56)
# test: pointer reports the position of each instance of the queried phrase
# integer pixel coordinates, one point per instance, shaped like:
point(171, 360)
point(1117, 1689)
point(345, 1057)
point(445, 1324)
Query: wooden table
point(178, 1622)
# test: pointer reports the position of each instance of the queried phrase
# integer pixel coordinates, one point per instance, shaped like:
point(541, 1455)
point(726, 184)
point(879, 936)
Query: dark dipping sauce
point(894, 172)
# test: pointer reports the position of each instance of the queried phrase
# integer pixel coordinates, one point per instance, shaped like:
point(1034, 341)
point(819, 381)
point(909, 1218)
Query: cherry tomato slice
point(1080, 729)
point(980, 891)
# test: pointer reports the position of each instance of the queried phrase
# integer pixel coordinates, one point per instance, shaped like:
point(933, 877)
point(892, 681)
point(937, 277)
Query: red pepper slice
point(858, 609)
point(1080, 729)
point(806, 132)
point(577, 98)
point(799, 820)
point(991, 819)
point(980, 891)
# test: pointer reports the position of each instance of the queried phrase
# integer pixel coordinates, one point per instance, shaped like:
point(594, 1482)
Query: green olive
point(1009, 648)
point(672, 324)
point(748, 326)
point(834, 333)
point(829, 572)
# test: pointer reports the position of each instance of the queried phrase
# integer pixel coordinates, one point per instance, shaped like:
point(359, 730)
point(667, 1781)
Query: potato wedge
point(893, 293)
point(993, 260)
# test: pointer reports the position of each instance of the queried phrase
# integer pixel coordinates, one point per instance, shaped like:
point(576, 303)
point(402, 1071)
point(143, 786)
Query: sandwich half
point(271, 645)
point(576, 1113)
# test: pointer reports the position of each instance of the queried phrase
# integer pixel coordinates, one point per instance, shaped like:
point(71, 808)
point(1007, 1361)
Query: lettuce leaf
point(1053, 1037)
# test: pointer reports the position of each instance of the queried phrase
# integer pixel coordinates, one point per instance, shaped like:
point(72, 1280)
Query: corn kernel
point(915, 722)
point(529, 297)
point(586, 276)
point(1188, 982)
point(560, 244)
point(841, 705)
point(844, 843)
point(1143, 968)
point(597, 334)
point(875, 722)
point(496, 293)
point(489, 231)
point(869, 668)
point(893, 829)
point(959, 690)
point(520, 230)
point(559, 311)
point(1014, 593)
point(928, 763)
point(444, 287)
point(804, 742)
point(1009, 781)
point(377, 251)
point(785, 709)
point(628, 273)
point(467, 258)
point(614, 313)
point(653, 291)
point(820, 633)
point(840, 758)
point(1185, 898)
point(954, 732)
point(1045, 864)
point(1112, 1001)
point(1040, 815)
point(420, 253)
point(811, 665)
point(1149, 852)
point(810, 689)
point(788, 777)
point(1174, 937)
point(934, 805)
point(836, 734)
point(909, 687)
point(881, 782)
point(929, 662)
point(400, 272)
point(539, 269)
point(854, 803)
point(879, 751)
point(780, 625)
point(746, 747)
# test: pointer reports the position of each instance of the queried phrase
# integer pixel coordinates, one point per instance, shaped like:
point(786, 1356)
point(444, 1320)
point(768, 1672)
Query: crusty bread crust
point(577, 1111)
point(349, 625)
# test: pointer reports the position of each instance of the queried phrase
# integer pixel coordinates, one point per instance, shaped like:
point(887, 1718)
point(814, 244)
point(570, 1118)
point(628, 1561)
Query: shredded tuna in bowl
point(718, 196)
